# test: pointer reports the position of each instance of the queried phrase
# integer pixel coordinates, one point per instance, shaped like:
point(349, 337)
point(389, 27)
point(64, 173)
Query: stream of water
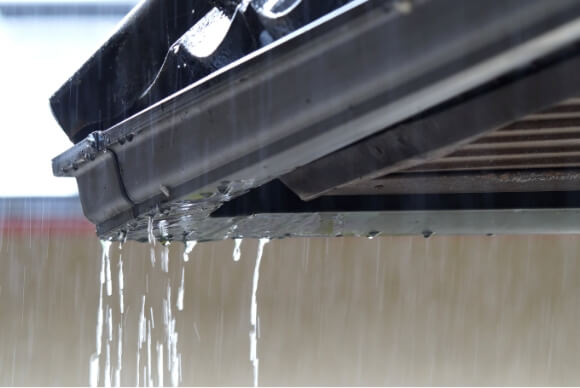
point(155, 354)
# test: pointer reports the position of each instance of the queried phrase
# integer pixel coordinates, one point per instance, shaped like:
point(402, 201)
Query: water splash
point(189, 245)
point(254, 310)
point(237, 253)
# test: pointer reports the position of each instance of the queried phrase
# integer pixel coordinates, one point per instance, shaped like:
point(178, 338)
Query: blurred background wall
point(345, 311)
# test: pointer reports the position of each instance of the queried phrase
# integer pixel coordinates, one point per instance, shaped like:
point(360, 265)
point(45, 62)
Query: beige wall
point(447, 310)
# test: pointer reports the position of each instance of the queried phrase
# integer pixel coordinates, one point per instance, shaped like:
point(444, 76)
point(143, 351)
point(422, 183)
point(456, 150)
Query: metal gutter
point(363, 68)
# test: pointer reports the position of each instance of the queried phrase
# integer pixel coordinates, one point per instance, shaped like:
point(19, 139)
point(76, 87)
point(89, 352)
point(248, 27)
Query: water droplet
point(189, 245)
point(237, 249)
point(122, 237)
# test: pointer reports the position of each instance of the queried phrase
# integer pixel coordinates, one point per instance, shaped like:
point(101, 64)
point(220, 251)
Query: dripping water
point(94, 361)
point(159, 364)
point(237, 249)
point(254, 311)
point(108, 366)
point(94, 370)
point(165, 258)
point(189, 245)
point(142, 323)
point(151, 240)
point(180, 291)
point(119, 355)
point(108, 269)
point(121, 284)
point(150, 381)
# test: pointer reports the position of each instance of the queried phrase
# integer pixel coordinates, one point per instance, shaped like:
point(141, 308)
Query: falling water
point(172, 339)
point(108, 271)
point(121, 284)
point(142, 323)
point(151, 240)
point(159, 364)
point(180, 291)
point(109, 324)
point(100, 321)
point(189, 245)
point(237, 249)
point(94, 360)
point(165, 258)
point(155, 356)
point(94, 370)
point(119, 356)
point(108, 366)
point(137, 369)
point(149, 379)
point(254, 311)
point(160, 354)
